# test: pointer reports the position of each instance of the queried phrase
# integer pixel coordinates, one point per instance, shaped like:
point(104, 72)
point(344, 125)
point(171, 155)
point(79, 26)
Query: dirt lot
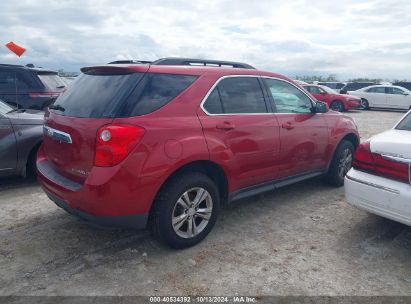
point(301, 240)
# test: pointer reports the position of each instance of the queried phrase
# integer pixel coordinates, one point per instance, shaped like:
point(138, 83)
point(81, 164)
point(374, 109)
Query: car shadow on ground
point(16, 182)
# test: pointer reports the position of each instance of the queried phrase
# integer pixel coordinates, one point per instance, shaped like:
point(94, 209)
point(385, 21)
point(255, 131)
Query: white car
point(384, 96)
point(380, 180)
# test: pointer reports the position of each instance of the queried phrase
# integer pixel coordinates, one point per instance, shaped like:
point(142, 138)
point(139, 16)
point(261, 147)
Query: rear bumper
point(379, 195)
point(138, 221)
point(114, 196)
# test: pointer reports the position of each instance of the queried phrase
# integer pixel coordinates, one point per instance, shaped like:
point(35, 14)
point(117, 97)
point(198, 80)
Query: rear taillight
point(44, 94)
point(384, 166)
point(115, 142)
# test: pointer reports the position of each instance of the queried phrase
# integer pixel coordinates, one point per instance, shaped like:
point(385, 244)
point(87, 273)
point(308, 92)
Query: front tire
point(341, 163)
point(185, 210)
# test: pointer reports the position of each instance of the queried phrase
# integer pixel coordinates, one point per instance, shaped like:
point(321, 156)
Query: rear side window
point(405, 124)
point(97, 96)
point(236, 95)
point(153, 92)
point(51, 81)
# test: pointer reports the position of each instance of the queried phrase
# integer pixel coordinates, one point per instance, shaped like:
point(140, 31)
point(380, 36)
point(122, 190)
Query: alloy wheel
point(345, 162)
point(192, 212)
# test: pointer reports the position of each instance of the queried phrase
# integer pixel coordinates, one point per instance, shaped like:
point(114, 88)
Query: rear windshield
point(52, 81)
point(405, 124)
point(120, 95)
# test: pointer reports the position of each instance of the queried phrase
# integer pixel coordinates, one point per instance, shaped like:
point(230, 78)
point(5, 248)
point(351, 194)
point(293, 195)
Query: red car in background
point(336, 101)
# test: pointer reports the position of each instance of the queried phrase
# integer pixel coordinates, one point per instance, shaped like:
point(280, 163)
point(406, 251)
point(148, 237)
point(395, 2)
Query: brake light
point(44, 94)
point(115, 142)
point(365, 160)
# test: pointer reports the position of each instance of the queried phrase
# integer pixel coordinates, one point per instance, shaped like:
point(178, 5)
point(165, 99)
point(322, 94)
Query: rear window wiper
point(57, 107)
point(61, 87)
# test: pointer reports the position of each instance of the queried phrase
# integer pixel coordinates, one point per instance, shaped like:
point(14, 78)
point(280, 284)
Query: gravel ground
point(300, 240)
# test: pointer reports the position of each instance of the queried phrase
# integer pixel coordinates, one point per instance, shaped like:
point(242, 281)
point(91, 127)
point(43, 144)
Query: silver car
point(21, 134)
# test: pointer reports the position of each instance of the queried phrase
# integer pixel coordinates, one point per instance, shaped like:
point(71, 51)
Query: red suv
point(138, 144)
point(336, 101)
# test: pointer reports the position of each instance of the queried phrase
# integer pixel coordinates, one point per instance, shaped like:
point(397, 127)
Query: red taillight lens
point(44, 94)
point(365, 160)
point(115, 142)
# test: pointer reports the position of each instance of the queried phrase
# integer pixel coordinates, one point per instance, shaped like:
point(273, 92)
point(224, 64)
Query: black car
point(21, 133)
point(29, 87)
point(404, 84)
point(354, 86)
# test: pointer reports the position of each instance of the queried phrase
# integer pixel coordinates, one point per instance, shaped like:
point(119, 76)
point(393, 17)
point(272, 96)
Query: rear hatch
point(73, 121)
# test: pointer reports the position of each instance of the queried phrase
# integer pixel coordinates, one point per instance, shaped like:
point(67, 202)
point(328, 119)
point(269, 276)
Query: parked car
point(21, 133)
point(335, 85)
point(128, 145)
point(29, 87)
point(336, 101)
point(380, 96)
point(353, 86)
point(380, 180)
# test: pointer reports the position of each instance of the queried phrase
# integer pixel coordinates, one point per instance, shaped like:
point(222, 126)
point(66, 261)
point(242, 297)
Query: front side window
point(380, 90)
point(287, 98)
point(236, 95)
point(313, 90)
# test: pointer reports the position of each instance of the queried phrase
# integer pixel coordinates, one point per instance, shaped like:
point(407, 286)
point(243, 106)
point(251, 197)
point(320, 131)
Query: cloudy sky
point(349, 38)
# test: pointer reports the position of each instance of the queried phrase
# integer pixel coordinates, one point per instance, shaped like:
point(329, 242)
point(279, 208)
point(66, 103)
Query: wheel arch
point(207, 167)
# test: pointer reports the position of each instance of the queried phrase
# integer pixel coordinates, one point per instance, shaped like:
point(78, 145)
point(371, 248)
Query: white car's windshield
point(405, 124)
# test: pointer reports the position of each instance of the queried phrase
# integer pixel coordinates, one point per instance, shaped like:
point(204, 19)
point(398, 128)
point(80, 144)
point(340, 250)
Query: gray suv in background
point(29, 87)
point(21, 134)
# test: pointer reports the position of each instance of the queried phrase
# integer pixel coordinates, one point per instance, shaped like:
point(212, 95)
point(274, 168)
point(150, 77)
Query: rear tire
point(364, 104)
point(179, 220)
point(337, 106)
point(340, 164)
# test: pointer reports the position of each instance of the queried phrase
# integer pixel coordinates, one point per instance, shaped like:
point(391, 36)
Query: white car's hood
point(393, 142)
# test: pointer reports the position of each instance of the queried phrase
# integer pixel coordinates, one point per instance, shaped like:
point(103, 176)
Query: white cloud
point(348, 38)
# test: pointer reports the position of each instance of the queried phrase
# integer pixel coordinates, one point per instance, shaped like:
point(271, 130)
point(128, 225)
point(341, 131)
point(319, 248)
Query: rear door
point(8, 85)
point(303, 134)
point(241, 132)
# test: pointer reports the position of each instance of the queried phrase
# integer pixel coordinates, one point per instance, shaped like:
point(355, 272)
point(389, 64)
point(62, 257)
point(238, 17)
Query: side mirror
point(323, 93)
point(405, 94)
point(320, 107)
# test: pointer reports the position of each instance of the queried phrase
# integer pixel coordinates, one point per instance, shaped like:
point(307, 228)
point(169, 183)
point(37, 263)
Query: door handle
point(225, 126)
point(288, 125)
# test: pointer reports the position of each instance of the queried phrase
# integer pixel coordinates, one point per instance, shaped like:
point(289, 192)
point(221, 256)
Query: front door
point(303, 134)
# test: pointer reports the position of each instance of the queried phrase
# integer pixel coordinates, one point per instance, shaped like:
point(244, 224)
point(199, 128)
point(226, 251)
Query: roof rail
point(201, 62)
point(130, 62)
